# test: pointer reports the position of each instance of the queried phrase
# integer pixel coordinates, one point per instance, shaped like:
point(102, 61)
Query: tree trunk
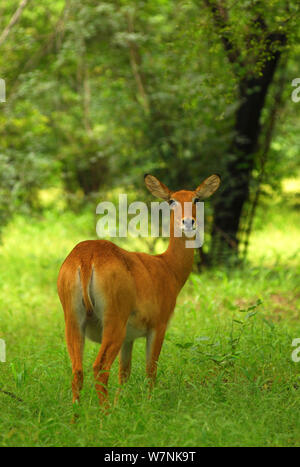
point(230, 202)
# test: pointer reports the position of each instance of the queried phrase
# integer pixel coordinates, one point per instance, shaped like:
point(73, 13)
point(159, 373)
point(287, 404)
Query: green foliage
point(99, 93)
point(225, 376)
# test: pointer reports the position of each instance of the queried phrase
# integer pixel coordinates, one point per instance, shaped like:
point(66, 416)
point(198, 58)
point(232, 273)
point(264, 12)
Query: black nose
point(188, 222)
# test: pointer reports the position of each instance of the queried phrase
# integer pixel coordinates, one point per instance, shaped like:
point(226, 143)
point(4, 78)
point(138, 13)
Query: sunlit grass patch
point(225, 376)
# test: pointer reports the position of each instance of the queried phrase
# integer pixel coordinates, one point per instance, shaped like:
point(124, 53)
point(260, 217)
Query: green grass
point(225, 377)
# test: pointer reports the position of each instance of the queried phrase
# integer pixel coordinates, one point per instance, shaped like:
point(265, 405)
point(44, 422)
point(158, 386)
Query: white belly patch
point(133, 333)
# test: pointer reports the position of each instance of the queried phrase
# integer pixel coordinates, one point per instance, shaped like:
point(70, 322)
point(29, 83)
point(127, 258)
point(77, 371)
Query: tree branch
point(46, 47)
point(277, 103)
point(135, 61)
point(14, 19)
point(220, 17)
point(56, 35)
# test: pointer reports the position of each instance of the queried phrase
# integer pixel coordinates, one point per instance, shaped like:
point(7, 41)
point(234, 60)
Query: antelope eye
point(172, 202)
point(196, 200)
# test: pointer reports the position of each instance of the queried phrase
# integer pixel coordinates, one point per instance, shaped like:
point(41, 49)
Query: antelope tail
point(86, 279)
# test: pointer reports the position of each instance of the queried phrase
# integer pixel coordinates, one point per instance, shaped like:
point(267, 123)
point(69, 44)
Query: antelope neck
point(179, 258)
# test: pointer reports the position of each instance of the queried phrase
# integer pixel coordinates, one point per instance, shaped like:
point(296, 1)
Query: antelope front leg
point(125, 362)
point(155, 340)
point(124, 366)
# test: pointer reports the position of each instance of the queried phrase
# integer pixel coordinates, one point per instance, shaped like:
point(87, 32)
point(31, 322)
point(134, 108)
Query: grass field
point(225, 376)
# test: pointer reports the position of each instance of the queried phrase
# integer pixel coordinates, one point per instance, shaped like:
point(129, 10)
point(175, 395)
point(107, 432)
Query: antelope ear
point(156, 187)
point(208, 187)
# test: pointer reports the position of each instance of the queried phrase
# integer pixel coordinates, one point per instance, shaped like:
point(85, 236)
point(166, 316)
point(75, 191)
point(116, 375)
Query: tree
point(254, 55)
point(99, 93)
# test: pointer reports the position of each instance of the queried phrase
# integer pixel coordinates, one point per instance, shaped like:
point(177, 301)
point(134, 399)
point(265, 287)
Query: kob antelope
point(113, 296)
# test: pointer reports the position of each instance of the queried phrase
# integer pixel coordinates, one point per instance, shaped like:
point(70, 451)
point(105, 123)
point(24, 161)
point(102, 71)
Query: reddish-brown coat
point(136, 291)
